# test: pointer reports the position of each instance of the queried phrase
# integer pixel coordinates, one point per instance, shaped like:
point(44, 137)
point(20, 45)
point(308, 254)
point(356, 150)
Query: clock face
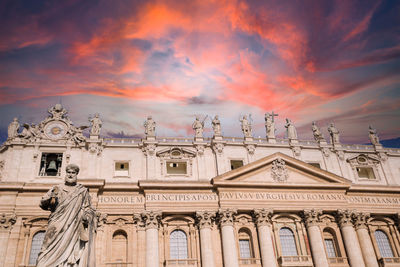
point(55, 130)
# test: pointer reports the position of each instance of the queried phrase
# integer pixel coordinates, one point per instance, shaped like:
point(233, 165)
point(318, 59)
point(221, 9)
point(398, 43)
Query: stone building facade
point(208, 202)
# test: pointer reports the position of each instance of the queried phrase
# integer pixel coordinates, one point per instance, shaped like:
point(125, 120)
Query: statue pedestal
point(293, 141)
point(150, 138)
point(94, 137)
point(248, 139)
point(271, 140)
point(217, 137)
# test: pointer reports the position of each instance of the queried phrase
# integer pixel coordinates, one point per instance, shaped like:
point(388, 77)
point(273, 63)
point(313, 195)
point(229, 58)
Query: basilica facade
point(207, 202)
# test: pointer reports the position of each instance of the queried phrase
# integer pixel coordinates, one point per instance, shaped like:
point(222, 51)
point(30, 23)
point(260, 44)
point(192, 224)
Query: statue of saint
point(316, 132)
point(198, 127)
point(13, 129)
point(334, 132)
point(216, 124)
point(150, 127)
point(70, 235)
point(96, 125)
point(290, 130)
point(246, 127)
point(269, 125)
point(77, 134)
point(57, 112)
point(26, 132)
point(373, 136)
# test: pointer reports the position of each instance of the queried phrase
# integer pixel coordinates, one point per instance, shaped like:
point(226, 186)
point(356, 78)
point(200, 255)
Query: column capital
point(360, 220)
point(345, 217)
point(151, 219)
point(311, 216)
point(263, 216)
point(7, 221)
point(205, 218)
point(226, 216)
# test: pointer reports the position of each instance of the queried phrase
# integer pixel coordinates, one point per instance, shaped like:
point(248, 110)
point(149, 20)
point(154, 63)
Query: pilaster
point(229, 248)
point(263, 221)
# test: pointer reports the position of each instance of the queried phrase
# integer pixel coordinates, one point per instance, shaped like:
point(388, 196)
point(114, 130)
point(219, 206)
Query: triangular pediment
point(280, 170)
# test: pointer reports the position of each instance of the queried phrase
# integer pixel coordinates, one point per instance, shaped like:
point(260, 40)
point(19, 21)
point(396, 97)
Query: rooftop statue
point(246, 126)
point(216, 124)
point(57, 112)
point(70, 235)
point(150, 127)
point(316, 132)
point(96, 125)
point(373, 136)
point(334, 133)
point(270, 125)
point(198, 127)
point(13, 129)
point(290, 130)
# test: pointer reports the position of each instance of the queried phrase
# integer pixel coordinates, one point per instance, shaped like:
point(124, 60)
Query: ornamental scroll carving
point(279, 171)
point(205, 218)
point(151, 219)
point(226, 216)
point(312, 217)
point(345, 217)
point(361, 219)
point(7, 221)
point(263, 216)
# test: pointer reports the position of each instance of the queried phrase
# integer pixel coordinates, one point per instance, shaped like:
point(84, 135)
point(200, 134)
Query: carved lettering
point(180, 197)
point(120, 199)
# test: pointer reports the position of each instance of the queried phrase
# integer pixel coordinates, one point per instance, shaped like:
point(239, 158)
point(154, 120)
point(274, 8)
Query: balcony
point(250, 262)
point(119, 264)
point(338, 262)
point(389, 262)
point(297, 261)
point(182, 262)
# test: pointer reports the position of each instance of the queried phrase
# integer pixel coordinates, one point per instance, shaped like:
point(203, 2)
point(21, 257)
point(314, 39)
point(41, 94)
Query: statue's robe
point(70, 236)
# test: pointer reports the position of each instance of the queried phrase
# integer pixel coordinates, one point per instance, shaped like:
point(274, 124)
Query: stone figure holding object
point(70, 235)
point(291, 130)
point(316, 132)
point(198, 127)
point(13, 129)
point(373, 136)
point(150, 127)
point(246, 126)
point(334, 133)
point(270, 125)
point(96, 125)
point(216, 124)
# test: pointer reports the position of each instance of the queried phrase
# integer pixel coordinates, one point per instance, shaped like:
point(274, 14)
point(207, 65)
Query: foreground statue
point(70, 236)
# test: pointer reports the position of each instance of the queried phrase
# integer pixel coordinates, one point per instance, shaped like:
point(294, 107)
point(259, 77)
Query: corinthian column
point(314, 232)
point(151, 220)
point(350, 238)
point(229, 247)
point(263, 222)
point(6, 223)
point(204, 219)
point(367, 248)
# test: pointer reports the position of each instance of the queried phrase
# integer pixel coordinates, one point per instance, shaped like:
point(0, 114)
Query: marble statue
point(290, 130)
point(96, 125)
point(70, 235)
point(316, 132)
point(334, 133)
point(150, 127)
point(77, 134)
point(198, 127)
point(216, 124)
point(26, 132)
point(246, 126)
point(270, 125)
point(373, 136)
point(13, 129)
point(57, 112)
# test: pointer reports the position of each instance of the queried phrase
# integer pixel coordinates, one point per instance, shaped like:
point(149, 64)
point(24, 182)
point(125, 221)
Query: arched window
point(288, 243)
point(119, 246)
point(178, 245)
point(383, 244)
point(37, 242)
point(245, 245)
point(330, 244)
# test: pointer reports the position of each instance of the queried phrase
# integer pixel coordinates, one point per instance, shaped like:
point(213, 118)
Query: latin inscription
point(373, 200)
point(180, 197)
point(121, 199)
point(282, 196)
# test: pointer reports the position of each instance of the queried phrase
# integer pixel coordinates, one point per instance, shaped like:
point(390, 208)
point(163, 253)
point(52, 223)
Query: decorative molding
point(345, 217)
point(263, 216)
point(251, 149)
point(312, 217)
point(205, 218)
point(279, 171)
point(226, 216)
point(149, 149)
point(200, 149)
point(326, 152)
point(361, 220)
point(151, 219)
point(7, 221)
point(218, 148)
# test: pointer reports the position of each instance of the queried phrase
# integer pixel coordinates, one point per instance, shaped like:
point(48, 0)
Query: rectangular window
point(244, 248)
point(176, 167)
point(236, 164)
point(366, 173)
point(315, 164)
point(121, 169)
point(50, 164)
point(330, 248)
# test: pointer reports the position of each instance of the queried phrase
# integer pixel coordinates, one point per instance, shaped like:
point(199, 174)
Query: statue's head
point(149, 117)
point(58, 107)
point(15, 119)
point(72, 171)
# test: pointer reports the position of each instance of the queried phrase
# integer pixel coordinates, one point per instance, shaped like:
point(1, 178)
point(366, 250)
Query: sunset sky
point(305, 60)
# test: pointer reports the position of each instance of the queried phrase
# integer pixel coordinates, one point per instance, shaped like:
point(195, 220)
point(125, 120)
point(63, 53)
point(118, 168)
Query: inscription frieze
point(188, 197)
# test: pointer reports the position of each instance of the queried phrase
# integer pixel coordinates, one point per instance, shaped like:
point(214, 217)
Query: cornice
point(174, 185)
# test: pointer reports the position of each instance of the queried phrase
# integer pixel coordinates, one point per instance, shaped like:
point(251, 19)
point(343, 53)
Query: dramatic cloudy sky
point(306, 60)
